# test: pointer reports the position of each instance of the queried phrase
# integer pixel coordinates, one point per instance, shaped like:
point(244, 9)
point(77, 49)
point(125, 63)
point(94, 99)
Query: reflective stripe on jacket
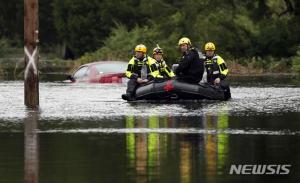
point(164, 70)
point(215, 68)
point(135, 67)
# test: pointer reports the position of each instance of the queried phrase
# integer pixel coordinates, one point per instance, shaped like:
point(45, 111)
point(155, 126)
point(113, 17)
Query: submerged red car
point(100, 72)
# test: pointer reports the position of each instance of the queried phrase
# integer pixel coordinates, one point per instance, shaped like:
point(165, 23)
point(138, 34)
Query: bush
point(121, 42)
point(4, 47)
point(296, 62)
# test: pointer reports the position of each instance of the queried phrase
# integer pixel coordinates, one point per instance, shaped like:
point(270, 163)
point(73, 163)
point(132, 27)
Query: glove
point(134, 76)
point(141, 81)
point(217, 81)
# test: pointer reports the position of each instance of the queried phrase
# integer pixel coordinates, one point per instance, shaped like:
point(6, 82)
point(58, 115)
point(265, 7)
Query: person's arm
point(167, 70)
point(222, 67)
point(185, 63)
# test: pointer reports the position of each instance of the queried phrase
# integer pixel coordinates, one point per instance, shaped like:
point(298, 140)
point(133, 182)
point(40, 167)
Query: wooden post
point(31, 78)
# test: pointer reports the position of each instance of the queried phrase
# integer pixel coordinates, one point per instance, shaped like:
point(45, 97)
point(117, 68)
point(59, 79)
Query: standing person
point(141, 69)
point(191, 67)
point(163, 68)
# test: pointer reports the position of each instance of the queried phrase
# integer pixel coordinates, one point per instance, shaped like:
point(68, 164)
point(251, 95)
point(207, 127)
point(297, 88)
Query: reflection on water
point(31, 148)
point(144, 151)
point(86, 133)
point(129, 156)
point(204, 154)
point(185, 162)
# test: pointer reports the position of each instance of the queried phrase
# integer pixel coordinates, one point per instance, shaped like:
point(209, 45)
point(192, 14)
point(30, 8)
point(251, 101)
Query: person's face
point(183, 48)
point(210, 53)
point(139, 54)
point(157, 57)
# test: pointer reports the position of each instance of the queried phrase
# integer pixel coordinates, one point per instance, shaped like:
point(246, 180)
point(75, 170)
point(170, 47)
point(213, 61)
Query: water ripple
point(81, 101)
point(175, 131)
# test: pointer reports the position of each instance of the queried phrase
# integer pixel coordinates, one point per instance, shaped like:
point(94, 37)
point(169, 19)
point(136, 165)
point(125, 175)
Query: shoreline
point(14, 69)
point(274, 74)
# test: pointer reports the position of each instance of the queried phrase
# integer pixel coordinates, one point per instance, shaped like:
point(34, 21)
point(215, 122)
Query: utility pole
point(31, 31)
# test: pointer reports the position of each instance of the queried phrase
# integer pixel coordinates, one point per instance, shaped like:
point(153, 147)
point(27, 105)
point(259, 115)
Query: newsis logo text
point(260, 169)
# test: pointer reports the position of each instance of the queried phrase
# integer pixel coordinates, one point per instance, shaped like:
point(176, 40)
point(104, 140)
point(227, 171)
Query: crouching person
point(141, 69)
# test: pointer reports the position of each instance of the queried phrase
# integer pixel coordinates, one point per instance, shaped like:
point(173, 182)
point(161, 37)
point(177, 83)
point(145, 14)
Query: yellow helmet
point(157, 50)
point(209, 46)
point(184, 40)
point(141, 48)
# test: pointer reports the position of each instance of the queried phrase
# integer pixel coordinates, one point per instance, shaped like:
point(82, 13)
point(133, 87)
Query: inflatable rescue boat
point(177, 90)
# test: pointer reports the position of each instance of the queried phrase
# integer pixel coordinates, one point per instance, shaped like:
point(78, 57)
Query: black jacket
point(191, 66)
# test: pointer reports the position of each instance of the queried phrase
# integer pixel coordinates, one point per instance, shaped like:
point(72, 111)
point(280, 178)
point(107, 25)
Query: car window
point(81, 72)
point(111, 67)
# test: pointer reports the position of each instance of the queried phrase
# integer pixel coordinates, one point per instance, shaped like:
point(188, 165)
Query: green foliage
point(121, 42)
point(82, 25)
point(11, 21)
point(109, 29)
point(7, 50)
point(235, 27)
point(296, 62)
point(4, 46)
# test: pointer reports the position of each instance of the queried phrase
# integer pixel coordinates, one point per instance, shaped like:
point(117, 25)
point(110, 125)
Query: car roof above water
point(105, 62)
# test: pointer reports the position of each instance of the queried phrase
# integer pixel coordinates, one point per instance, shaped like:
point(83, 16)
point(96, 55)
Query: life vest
point(215, 68)
point(164, 70)
point(142, 68)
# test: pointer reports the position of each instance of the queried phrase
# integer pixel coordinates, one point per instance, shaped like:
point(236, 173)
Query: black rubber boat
point(176, 90)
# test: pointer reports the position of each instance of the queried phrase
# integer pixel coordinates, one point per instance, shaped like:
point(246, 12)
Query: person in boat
point(190, 68)
point(215, 66)
point(141, 69)
point(163, 68)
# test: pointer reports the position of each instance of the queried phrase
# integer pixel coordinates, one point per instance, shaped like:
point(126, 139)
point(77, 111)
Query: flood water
point(87, 133)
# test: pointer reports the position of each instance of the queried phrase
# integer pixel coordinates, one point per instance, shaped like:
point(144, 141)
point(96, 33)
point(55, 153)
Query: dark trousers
point(131, 86)
point(224, 85)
